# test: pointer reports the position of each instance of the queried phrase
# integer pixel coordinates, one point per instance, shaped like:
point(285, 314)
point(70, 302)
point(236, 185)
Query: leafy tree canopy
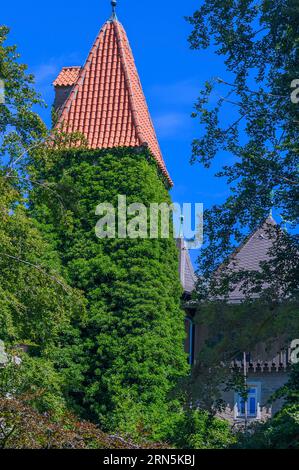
point(254, 119)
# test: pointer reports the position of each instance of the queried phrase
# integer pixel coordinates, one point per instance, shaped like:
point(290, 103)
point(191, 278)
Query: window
point(250, 407)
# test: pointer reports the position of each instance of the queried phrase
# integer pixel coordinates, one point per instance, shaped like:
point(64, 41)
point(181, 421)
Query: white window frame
point(237, 401)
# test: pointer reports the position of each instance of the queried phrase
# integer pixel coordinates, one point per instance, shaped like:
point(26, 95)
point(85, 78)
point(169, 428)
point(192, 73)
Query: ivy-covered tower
point(129, 351)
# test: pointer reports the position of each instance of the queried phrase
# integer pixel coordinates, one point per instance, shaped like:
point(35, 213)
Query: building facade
point(266, 370)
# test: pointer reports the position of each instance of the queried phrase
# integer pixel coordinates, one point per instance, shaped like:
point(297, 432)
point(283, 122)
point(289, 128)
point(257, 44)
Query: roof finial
point(113, 4)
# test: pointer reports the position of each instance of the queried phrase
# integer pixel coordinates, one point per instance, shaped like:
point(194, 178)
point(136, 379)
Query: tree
point(259, 43)
point(133, 338)
point(21, 427)
point(35, 378)
point(35, 299)
point(36, 302)
point(255, 122)
point(20, 127)
point(37, 306)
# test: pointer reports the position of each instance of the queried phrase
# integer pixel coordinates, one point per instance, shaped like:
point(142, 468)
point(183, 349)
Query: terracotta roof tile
point(67, 77)
point(107, 103)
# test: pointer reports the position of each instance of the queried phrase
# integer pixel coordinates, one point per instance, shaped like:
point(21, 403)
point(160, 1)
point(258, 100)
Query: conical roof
point(106, 102)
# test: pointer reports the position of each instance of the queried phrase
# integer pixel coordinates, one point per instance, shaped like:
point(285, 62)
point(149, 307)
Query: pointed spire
point(113, 4)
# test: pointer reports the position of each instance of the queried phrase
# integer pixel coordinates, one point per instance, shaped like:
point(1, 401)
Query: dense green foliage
point(34, 377)
point(133, 338)
point(36, 302)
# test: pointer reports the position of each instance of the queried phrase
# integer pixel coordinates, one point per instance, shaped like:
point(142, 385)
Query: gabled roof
point(107, 103)
point(251, 254)
point(187, 275)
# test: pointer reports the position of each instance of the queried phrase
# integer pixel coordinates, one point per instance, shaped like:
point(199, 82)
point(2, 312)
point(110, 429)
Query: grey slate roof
point(247, 257)
point(251, 253)
point(187, 274)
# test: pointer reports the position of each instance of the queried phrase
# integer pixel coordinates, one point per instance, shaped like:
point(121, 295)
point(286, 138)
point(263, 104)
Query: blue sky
point(55, 34)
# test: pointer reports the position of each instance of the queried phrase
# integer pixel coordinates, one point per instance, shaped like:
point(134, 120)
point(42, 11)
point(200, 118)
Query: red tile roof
point(107, 103)
point(68, 76)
